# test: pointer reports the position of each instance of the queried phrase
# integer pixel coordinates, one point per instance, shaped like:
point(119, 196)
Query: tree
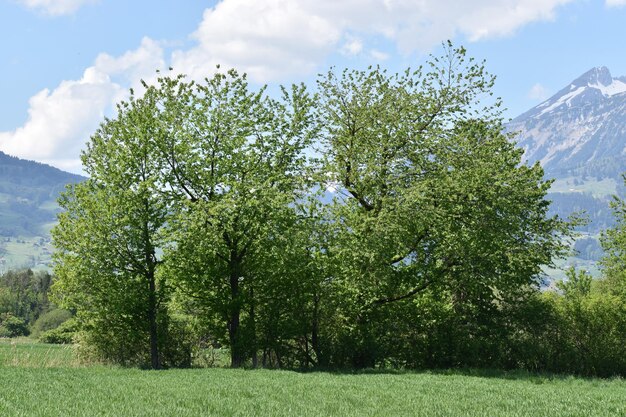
point(431, 195)
point(419, 226)
point(107, 238)
point(614, 244)
point(234, 164)
point(24, 294)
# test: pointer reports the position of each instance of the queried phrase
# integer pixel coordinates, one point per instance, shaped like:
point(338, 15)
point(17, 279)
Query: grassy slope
point(598, 188)
point(46, 388)
point(33, 252)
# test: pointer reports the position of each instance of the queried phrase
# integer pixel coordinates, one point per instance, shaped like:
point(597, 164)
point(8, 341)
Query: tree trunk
point(155, 361)
point(315, 331)
point(255, 356)
point(236, 354)
point(150, 260)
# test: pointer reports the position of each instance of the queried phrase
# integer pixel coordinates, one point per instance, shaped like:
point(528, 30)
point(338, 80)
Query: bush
point(50, 321)
point(11, 326)
point(62, 334)
point(178, 344)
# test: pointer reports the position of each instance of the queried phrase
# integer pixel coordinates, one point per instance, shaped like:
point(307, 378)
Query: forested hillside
point(578, 136)
point(28, 193)
point(28, 209)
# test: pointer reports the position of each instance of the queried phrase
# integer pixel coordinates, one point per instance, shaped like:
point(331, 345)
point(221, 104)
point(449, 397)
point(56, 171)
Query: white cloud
point(60, 121)
point(352, 46)
point(274, 39)
point(615, 3)
point(56, 7)
point(378, 55)
point(538, 92)
point(271, 40)
point(268, 39)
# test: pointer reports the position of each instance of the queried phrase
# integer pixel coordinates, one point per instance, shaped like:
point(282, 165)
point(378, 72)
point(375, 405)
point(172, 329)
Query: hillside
point(579, 137)
point(28, 193)
point(581, 130)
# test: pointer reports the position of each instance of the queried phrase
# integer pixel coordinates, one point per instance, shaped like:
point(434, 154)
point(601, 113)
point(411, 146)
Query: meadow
point(46, 380)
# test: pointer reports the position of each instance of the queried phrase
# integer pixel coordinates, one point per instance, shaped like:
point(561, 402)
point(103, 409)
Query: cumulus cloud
point(352, 46)
point(271, 40)
point(538, 92)
point(61, 120)
point(56, 7)
point(268, 39)
point(378, 55)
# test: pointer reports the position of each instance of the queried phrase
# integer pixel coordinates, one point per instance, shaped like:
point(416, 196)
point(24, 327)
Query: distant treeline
point(597, 211)
point(25, 308)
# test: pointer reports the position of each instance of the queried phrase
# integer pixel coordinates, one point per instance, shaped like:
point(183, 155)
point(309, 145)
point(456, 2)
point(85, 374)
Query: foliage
point(614, 244)
point(24, 295)
point(63, 334)
point(11, 326)
point(433, 197)
point(107, 239)
point(50, 320)
point(234, 166)
point(384, 221)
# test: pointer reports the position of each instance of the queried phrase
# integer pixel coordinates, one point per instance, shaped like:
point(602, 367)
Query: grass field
point(56, 385)
point(33, 252)
point(598, 188)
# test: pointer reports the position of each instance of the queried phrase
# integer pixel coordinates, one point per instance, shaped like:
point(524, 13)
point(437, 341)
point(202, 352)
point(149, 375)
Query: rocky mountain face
point(581, 130)
point(579, 137)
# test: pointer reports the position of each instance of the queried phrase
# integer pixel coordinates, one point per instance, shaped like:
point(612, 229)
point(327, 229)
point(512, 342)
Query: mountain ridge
point(583, 123)
point(578, 135)
point(28, 209)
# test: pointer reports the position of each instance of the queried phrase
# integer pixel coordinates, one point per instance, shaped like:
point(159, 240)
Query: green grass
point(109, 391)
point(602, 188)
point(24, 353)
point(26, 252)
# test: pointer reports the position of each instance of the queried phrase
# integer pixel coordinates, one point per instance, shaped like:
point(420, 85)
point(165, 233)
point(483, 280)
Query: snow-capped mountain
point(583, 126)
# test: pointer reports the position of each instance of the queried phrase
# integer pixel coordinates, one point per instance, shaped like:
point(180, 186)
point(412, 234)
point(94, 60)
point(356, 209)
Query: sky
point(65, 63)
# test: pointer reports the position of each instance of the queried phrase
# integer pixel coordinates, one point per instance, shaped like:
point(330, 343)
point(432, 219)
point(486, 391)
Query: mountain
point(581, 130)
point(28, 208)
point(579, 137)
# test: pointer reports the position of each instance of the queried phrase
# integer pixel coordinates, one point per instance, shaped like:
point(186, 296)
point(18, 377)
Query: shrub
point(62, 334)
point(50, 320)
point(11, 326)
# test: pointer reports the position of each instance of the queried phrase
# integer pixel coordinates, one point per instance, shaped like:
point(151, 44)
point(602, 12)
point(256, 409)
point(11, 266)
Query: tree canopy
point(384, 218)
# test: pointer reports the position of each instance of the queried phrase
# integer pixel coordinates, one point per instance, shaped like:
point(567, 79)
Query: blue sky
point(64, 63)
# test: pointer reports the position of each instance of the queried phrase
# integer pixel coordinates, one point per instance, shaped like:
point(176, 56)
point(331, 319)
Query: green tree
point(107, 238)
point(614, 244)
point(431, 195)
point(24, 294)
point(234, 164)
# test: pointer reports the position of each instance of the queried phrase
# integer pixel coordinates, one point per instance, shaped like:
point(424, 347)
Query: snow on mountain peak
point(600, 78)
point(585, 86)
point(582, 123)
point(616, 87)
point(595, 76)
